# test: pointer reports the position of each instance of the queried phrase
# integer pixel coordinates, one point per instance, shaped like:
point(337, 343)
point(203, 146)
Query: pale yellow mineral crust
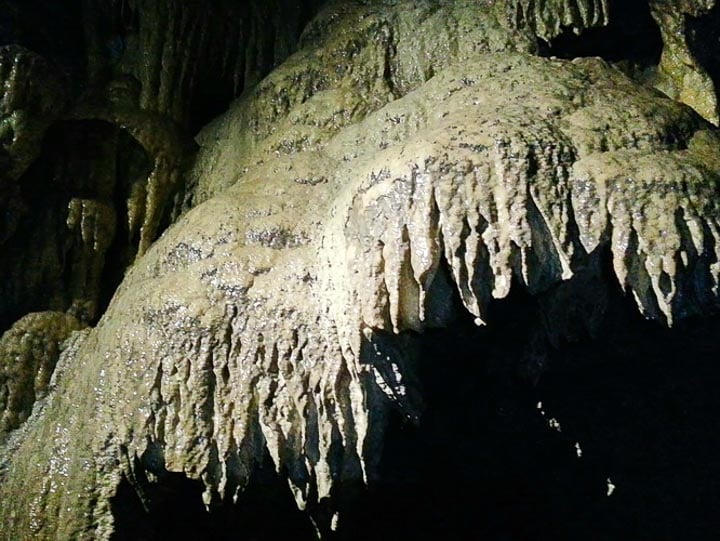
point(341, 202)
point(680, 75)
point(28, 354)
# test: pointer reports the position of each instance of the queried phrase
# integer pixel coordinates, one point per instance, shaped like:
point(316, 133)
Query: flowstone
point(31, 95)
point(680, 75)
point(342, 202)
point(29, 352)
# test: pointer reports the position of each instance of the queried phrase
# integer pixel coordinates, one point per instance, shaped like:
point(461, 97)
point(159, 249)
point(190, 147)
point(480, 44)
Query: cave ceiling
point(243, 244)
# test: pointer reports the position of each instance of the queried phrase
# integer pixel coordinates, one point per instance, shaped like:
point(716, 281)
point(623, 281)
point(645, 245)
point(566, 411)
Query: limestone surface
point(29, 352)
point(374, 186)
point(680, 75)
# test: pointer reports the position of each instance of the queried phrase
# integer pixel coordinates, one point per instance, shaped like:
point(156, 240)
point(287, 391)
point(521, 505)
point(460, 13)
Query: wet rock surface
point(383, 268)
point(29, 352)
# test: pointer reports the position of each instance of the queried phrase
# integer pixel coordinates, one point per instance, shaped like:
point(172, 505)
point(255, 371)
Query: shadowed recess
point(171, 507)
point(631, 35)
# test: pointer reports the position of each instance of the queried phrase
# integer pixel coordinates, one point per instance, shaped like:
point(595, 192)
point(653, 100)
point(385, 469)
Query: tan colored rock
point(29, 352)
point(336, 209)
point(265, 316)
point(680, 75)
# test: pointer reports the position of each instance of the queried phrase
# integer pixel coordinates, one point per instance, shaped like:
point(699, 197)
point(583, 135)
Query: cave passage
point(496, 457)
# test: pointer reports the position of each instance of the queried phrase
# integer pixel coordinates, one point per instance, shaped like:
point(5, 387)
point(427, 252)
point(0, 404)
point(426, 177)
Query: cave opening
point(631, 36)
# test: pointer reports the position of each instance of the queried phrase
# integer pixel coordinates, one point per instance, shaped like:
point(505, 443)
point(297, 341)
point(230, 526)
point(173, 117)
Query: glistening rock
point(273, 313)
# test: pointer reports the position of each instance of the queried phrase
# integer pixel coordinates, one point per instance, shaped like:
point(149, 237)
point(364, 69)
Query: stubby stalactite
point(190, 302)
point(136, 96)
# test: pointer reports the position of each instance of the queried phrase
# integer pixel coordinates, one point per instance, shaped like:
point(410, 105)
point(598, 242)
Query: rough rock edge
point(285, 341)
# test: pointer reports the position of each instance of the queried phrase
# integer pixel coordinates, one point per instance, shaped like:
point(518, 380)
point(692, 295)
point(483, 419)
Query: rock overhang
point(256, 320)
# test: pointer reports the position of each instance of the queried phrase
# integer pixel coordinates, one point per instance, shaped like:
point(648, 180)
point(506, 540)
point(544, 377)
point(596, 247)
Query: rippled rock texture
point(410, 168)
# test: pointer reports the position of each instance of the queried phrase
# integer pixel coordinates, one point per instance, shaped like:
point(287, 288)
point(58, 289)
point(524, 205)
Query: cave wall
point(237, 293)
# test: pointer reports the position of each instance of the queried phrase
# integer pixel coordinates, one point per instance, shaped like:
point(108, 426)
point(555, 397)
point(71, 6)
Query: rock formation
point(407, 165)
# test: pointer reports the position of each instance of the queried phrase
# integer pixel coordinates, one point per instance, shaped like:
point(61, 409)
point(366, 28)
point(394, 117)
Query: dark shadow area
point(91, 161)
point(645, 407)
point(632, 35)
point(639, 404)
point(703, 36)
point(483, 463)
point(52, 29)
point(210, 101)
point(174, 509)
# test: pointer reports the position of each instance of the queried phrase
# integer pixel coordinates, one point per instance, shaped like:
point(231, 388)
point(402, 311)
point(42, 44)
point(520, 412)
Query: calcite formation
point(680, 75)
point(31, 94)
point(549, 18)
point(376, 184)
point(29, 352)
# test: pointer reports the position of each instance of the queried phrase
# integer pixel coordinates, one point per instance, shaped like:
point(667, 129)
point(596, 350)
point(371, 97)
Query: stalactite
point(92, 223)
point(547, 18)
point(345, 199)
point(277, 327)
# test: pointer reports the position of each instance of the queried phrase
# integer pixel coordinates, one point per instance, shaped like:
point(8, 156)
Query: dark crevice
point(173, 509)
point(212, 98)
point(133, 166)
point(703, 37)
point(631, 35)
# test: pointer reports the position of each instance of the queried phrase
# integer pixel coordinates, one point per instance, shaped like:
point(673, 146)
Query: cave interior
point(609, 432)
